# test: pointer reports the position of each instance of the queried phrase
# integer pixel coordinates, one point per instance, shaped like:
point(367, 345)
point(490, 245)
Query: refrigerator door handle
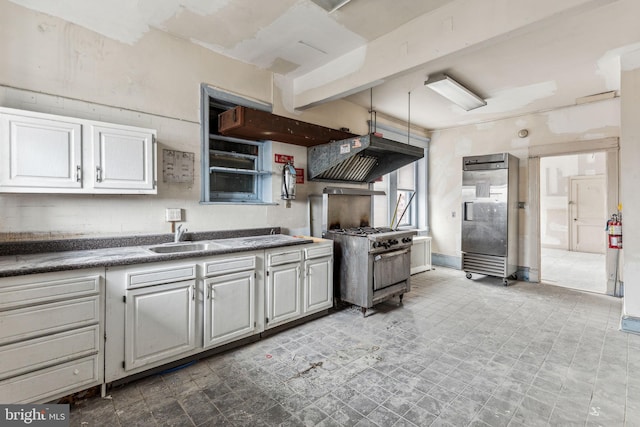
point(468, 211)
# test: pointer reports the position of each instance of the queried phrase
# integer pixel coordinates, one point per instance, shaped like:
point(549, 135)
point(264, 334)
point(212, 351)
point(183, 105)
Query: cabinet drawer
point(59, 380)
point(30, 290)
point(279, 258)
point(229, 265)
point(44, 319)
point(37, 353)
point(318, 251)
point(156, 276)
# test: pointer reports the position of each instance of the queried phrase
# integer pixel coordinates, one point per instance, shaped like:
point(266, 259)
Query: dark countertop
point(18, 264)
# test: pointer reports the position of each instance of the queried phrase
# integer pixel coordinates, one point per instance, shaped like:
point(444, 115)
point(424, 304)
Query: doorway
point(573, 212)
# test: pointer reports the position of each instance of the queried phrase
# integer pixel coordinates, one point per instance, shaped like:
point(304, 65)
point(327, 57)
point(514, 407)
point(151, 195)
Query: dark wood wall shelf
point(249, 123)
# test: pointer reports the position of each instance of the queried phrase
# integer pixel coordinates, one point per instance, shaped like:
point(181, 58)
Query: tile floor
point(458, 353)
point(576, 270)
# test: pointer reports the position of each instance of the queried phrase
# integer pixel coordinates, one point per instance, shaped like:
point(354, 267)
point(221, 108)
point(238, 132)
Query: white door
point(40, 153)
point(159, 323)
point(318, 289)
point(588, 214)
point(229, 307)
point(283, 294)
point(123, 158)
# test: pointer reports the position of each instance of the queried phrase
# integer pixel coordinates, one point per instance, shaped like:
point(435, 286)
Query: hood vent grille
point(354, 169)
point(360, 159)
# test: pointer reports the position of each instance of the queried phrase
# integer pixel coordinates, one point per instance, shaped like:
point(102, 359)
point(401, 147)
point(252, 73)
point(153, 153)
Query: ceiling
point(520, 56)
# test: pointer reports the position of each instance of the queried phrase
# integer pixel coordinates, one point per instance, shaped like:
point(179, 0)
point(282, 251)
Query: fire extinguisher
point(614, 232)
point(288, 184)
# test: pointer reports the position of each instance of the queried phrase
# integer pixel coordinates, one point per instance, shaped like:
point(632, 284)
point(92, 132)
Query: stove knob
point(406, 239)
point(375, 244)
point(393, 242)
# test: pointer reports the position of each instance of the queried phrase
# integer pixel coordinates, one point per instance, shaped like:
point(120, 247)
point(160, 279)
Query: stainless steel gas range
point(371, 264)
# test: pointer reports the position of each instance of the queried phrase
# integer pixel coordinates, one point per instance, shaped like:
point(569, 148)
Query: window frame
point(262, 183)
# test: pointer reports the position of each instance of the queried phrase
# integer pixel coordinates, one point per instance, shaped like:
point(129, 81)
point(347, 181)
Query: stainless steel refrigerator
point(490, 215)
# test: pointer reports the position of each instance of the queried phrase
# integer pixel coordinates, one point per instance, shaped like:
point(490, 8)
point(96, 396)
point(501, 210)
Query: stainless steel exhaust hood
point(359, 159)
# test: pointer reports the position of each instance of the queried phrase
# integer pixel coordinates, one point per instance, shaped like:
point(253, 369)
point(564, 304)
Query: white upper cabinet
point(37, 152)
point(44, 153)
point(123, 158)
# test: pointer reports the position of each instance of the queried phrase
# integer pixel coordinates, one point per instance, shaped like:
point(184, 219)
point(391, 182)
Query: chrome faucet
point(179, 234)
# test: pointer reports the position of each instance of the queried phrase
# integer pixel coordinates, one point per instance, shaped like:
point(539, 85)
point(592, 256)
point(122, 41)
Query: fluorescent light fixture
point(454, 92)
point(331, 5)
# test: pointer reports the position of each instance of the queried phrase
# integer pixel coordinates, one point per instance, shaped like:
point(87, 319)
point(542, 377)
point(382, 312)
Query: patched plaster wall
point(53, 66)
point(449, 146)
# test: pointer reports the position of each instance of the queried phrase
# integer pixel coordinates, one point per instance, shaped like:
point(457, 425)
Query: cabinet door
point(283, 294)
point(159, 323)
point(229, 311)
point(318, 288)
point(39, 155)
point(123, 159)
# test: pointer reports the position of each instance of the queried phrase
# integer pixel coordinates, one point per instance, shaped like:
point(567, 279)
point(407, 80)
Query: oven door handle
point(391, 254)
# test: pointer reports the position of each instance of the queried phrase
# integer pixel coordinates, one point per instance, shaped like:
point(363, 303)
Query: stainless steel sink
point(171, 248)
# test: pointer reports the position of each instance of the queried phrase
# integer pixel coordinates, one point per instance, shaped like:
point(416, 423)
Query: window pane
point(222, 182)
point(234, 147)
point(407, 177)
point(404, 196)
point(229, 161)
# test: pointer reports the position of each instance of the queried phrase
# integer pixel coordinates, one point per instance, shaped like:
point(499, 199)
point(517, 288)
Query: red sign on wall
point(299, 176)
point(283, 158)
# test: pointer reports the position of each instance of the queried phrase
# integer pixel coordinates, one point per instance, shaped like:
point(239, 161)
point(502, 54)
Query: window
point(405, 188)
point(397, 207)
point(234, 170)
point(405, 193)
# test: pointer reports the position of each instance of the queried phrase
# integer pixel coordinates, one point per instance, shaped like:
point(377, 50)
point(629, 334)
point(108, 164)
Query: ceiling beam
point(460, 26)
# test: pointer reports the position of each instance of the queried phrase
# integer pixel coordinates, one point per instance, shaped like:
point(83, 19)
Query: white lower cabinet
point(151, 316)
point(159, 323)
point(299, 282)
point(229, 299)
point(64, 332)
point(51, 335)
point(318, 278)
point(162, 312)
point(284, 286)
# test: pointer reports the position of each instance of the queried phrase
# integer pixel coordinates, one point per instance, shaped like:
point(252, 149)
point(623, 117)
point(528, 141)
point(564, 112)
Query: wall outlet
point(173, 214)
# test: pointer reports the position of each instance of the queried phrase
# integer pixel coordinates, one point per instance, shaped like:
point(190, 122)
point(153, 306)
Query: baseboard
point(630, 324)
point(448, 261)
point(523, 274)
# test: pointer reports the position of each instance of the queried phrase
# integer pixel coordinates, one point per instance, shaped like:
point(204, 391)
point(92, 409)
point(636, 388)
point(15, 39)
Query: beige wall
point(630, 182)
point(53, 66)
point(577, 123)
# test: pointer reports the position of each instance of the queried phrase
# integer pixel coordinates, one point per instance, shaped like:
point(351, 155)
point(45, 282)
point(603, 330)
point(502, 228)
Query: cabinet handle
point(193, 293)
point(78, 173)
point(98, 174)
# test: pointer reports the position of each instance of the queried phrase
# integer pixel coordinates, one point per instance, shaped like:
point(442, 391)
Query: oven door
point(390, 268)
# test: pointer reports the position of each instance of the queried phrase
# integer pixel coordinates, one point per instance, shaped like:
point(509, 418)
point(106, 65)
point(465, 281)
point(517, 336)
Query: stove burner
point(361, 231)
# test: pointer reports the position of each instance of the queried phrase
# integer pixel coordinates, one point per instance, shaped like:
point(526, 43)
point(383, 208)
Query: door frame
point(611, 146)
